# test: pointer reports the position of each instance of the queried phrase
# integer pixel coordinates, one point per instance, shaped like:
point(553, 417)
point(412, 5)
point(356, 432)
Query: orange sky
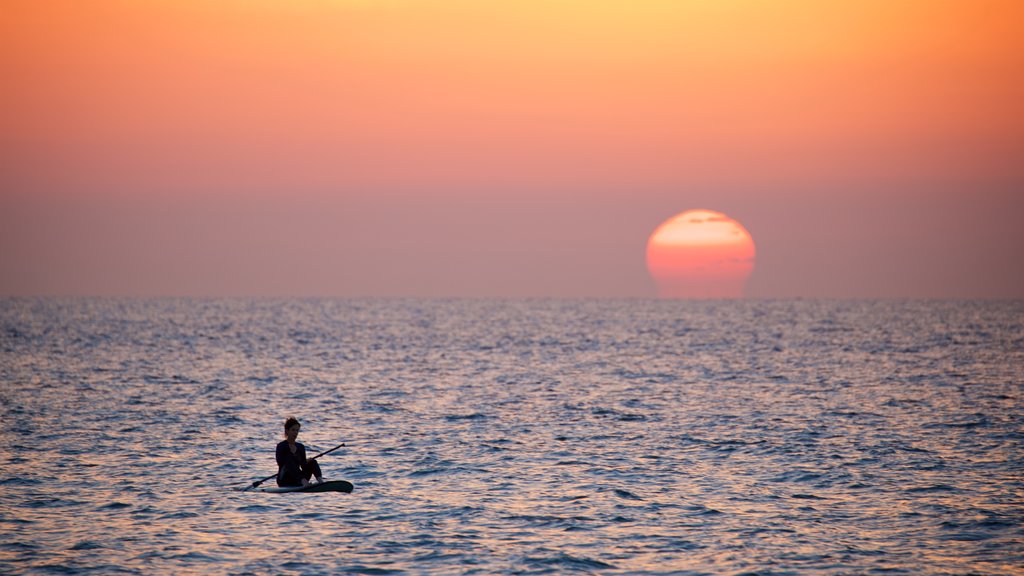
point(528, 148)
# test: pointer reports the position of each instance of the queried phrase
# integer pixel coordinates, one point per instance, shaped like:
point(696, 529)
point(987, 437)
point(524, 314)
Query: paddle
point(258, 482)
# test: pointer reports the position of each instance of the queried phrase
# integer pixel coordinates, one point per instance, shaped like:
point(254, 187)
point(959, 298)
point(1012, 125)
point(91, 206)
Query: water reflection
point(514, 437)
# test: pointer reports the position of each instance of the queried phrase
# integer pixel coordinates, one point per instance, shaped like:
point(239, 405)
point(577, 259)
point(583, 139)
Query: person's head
point(291, 428)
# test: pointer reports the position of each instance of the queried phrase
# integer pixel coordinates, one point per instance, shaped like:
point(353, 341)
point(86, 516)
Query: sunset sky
point(872, 148)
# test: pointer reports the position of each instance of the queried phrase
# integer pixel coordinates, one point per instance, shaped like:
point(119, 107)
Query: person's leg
point(285, 479)
point(312, 468)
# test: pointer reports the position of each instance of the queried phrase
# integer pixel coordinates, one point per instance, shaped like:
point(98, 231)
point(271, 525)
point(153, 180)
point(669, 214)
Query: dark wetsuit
point(292, 468)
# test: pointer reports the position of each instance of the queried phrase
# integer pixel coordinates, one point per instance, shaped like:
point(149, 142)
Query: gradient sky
point(873, 148)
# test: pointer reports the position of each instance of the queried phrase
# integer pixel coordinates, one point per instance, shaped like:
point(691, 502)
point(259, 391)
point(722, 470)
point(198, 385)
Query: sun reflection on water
point(593, 436)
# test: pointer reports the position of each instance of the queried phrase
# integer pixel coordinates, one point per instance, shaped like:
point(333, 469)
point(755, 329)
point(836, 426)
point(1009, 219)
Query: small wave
point(797, 476)
point(427, 472)
point(976, 530)
point(649, 377)
point(626, 494)
point(311, 516)
point(981, 422)
point(719, 443)
point(569, 562)
point(675, 545)
point(193, 555)
point(52, 503)
point(460, 417)
point(254, 508)
point(931, 488)
point(19, 546)
point(570, 463)
point(224, 419)
point(968, 536)
point(436, 555)
point(550, 521)
point(383, 407)
point(179, 515)
point(360, 569)
point(701, 510)
point(619, 415)
point(628, 417)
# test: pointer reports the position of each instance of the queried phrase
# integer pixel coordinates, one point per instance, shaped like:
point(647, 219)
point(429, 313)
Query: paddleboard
point(327, 486)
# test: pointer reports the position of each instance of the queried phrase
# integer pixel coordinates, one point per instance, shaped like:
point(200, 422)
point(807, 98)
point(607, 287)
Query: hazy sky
point(526, 148)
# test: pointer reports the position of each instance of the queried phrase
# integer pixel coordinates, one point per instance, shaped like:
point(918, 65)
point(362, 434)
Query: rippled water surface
point(772, 437)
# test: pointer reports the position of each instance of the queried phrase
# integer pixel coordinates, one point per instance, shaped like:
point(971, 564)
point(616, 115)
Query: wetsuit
point(292, 468)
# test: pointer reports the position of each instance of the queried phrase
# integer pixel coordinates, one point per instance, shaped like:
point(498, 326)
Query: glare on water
point(514, 436)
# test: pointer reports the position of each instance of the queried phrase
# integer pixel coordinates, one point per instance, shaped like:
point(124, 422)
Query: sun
point(700, 254)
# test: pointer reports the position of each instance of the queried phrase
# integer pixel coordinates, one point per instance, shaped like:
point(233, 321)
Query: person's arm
point(300, 459)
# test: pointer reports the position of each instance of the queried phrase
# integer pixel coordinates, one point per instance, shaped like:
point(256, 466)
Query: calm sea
point(514, 437)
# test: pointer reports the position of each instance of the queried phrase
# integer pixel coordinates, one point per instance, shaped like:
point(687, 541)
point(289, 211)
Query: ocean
point(514, 436)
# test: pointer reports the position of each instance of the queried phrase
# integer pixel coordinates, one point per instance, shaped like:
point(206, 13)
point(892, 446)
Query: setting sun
point(700, 254)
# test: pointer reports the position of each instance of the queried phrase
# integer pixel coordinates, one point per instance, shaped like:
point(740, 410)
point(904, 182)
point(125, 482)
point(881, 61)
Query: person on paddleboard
point(292, 467)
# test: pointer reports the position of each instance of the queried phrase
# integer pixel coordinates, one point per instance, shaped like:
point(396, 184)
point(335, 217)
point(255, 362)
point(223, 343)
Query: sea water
point(514, 437)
